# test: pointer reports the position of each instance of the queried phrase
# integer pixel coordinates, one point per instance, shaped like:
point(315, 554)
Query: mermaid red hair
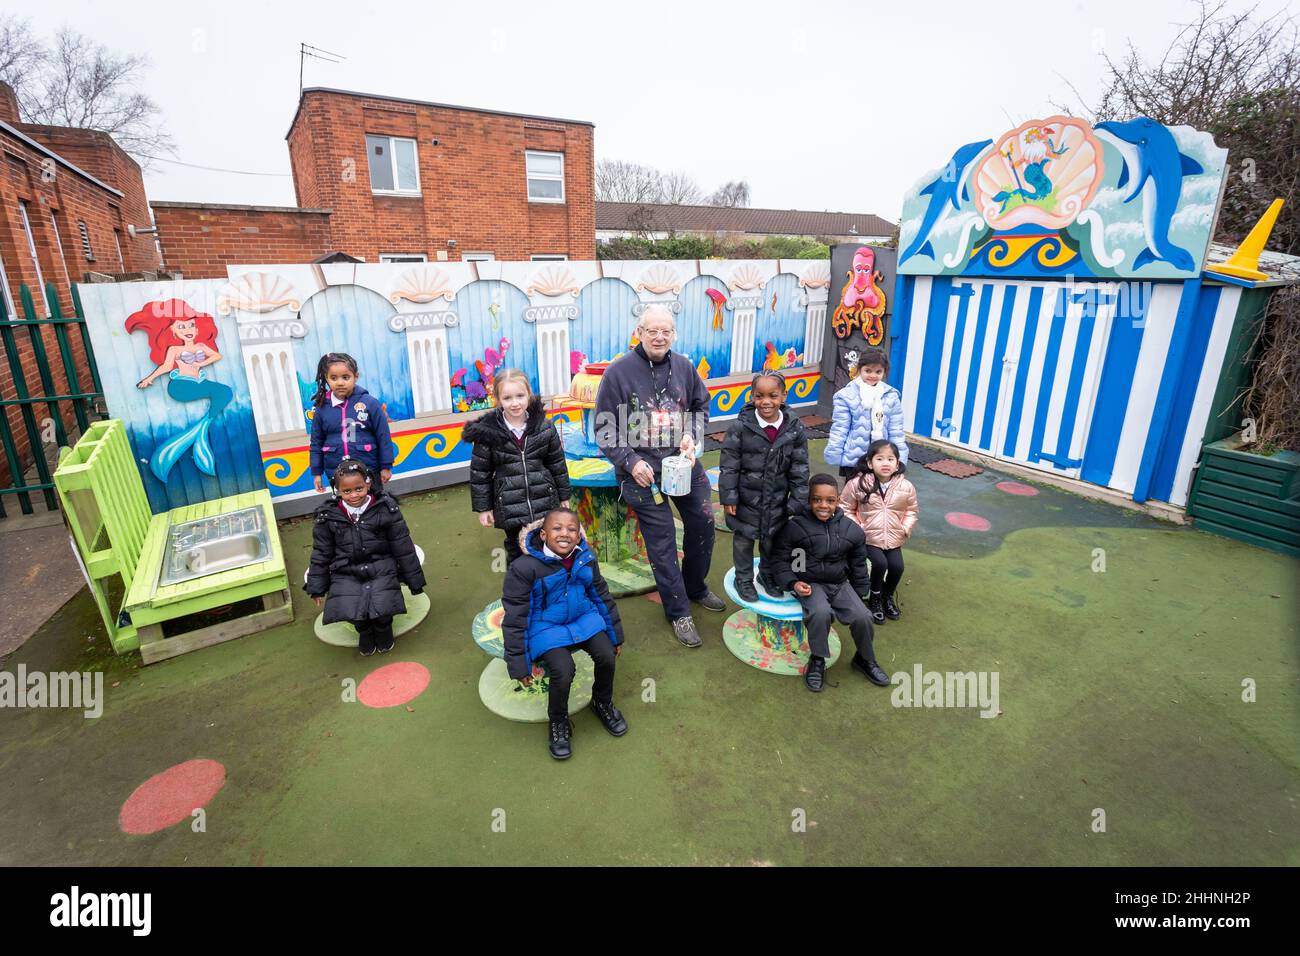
point(156, 319)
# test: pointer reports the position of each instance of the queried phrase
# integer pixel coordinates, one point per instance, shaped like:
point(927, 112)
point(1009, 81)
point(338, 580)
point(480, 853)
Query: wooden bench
point(121, 545)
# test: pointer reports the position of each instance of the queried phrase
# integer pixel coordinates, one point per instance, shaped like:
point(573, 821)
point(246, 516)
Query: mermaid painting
point(182, 343)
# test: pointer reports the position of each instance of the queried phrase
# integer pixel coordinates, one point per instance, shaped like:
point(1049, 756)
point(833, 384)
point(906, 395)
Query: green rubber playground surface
point(1119, 690)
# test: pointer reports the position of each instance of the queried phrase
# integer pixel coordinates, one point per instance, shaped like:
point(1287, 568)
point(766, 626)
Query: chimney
point(8, 104)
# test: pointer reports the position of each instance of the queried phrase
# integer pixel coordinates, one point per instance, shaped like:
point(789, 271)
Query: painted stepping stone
point(967, 521)
point(1016, 488)
point(171, 796)
point(343, 634)
point(505, 696)
point(769, 633)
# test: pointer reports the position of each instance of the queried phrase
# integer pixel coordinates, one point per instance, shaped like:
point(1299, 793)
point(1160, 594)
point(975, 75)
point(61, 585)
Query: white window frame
point(36, 259)
point(9, 299)
point(392, 160)
point(478, 257)
point(58, 241)
point(549, 257)
point(549, 177)
point(403, 257)
point(117, 241)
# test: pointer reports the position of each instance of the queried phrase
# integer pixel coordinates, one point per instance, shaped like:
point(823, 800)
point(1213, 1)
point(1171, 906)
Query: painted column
point(815, 284)
point(553, 303)
point(427, 356)
point(266, 311)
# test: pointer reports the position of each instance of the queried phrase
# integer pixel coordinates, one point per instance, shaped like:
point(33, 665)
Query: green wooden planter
point(1251, 497)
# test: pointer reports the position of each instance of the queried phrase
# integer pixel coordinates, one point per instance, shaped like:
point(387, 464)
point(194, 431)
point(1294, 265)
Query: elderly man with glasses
point(652, 404)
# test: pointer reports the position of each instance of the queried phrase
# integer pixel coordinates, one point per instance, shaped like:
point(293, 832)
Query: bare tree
point(21, 51)
point(619, 181)
point(679, 189)
point(1236, 76)
point(733, 193)
point(83, 84)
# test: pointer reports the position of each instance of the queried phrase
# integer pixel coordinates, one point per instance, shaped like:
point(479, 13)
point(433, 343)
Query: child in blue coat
point(556, 603)
point(865, 410)
point(348, 422)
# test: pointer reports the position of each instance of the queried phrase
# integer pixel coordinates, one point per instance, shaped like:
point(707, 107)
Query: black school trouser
point(678, 582)
point(886, 569)
point(374, 633)
point(512, 545)
point(559, 662)
point(742, 556)
point(831, 602)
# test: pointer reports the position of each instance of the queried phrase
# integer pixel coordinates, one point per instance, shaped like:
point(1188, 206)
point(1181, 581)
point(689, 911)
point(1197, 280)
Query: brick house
point(67, 197)
point(388, 179)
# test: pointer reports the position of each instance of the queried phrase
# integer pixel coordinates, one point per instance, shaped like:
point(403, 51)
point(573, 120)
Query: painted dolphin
point(1156, 167)
point(948, 187)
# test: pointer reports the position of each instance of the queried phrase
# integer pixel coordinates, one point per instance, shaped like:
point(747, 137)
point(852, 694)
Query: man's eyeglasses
point(658, 333)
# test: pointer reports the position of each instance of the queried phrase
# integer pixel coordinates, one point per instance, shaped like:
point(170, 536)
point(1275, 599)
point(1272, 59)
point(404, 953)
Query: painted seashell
point(259, 292)
point(746, 278)
point(816, 277)
point(421, 285)
point(1044, 172)
point(660, 280)
point(553, 282)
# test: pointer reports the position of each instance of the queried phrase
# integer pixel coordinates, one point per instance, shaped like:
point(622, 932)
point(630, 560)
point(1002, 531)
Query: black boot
point(876, 605)
point(814, 675)
point(745, 586)
point(871, 670)
point(891, 609)
point(610, 717)
point(561, 731)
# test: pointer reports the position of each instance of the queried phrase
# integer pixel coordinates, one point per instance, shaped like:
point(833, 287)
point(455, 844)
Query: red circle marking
point(1016, 488)
point(393, 684)
point(967, 522)
point(167, 798)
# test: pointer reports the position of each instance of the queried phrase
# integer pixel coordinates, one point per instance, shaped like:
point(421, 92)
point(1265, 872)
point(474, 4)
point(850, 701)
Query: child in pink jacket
point(883, 502)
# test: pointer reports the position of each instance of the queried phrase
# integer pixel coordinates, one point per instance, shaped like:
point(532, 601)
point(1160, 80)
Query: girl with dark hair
point(764, 470)
point(883, 503)
point(362, 554)
point(865, 410)
point(348, 422)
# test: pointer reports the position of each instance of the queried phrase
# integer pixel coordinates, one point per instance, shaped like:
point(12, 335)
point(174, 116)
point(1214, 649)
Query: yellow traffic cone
point(1244, 263)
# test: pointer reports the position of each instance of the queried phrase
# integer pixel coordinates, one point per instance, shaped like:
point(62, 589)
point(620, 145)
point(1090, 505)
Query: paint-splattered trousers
point(679, 582)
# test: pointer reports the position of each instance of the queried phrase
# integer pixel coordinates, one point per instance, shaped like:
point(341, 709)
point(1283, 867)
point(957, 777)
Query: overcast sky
point(824, 105)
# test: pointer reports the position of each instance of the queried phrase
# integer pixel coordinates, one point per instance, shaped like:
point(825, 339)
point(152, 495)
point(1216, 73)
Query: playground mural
point(427, 338)
point(859, 278)
point(1059, 196)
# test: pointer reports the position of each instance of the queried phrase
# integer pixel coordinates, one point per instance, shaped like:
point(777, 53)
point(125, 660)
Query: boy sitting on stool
point(821, 555)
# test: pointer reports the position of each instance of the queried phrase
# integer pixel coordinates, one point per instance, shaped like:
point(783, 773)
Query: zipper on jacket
point(523, 464)
point(344, 427)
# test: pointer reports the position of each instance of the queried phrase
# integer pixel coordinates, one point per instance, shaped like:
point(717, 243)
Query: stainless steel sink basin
point(218, 543)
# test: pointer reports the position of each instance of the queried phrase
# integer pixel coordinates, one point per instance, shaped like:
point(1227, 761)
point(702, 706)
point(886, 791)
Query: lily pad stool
point(769, 633)
point(505, 696)
point(343, 634)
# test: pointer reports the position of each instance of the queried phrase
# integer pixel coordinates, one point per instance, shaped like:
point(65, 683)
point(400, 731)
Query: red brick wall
point(99, 155)
point(28, 176)
point(200, 240)
point(473, 185)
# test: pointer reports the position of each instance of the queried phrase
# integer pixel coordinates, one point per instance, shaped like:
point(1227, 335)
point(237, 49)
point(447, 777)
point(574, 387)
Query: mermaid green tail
point(194, 439)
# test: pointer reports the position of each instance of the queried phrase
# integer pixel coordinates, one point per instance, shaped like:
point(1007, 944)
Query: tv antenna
point(316, 53)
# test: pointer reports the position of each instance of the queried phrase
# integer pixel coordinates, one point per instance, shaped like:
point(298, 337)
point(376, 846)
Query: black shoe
point(814, 675)
point(891, 609)
point(745, 588)
point(385, 647)
point(610, 717)
point(685, 630)
point(366, 645)
point(876, 605)
point(561, 732)
point(871, 670)
point(770, 586)
point(711, 602)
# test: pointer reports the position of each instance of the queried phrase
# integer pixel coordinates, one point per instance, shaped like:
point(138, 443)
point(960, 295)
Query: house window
point(10, 312)
point(548, 257)
point(545, 176)
point(393, 167)
point(85, 241)
point(403, 257)
point(117, 239)
point(36, 261)
point(478, 257)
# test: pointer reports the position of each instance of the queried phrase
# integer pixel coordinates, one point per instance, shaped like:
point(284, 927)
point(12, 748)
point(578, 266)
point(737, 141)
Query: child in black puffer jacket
point(518, 471)
point(362, 554)
point(764, 469)
point(821, 555)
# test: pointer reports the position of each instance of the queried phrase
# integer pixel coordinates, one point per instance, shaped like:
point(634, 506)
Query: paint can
point(675, 478)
